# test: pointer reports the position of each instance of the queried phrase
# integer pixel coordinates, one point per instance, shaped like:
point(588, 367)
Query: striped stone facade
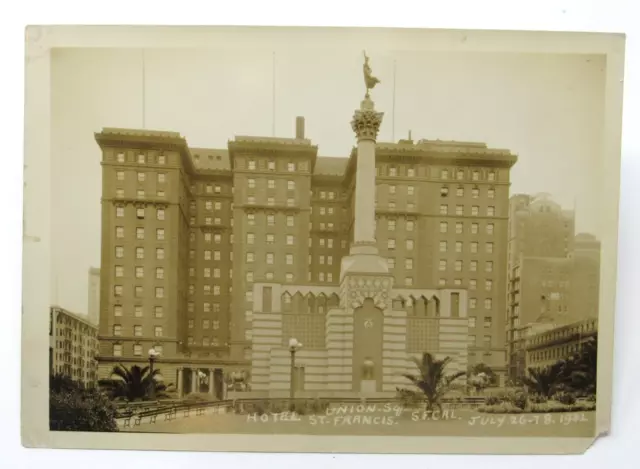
point(336, 339)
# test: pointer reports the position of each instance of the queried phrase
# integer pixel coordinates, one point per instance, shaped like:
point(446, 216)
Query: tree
point(432, 380)
point(73, 408)
point(134, 384)
point(547, 380)
point(480, 376)
point(583, 368)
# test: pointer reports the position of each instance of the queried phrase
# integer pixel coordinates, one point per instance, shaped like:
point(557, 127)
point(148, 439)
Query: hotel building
point(216, 257)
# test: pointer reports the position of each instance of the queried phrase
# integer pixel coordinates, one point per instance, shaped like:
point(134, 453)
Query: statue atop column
point(369, 80)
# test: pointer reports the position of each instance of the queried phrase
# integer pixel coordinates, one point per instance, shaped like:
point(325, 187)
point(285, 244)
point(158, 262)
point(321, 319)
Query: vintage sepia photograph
point(289, 235)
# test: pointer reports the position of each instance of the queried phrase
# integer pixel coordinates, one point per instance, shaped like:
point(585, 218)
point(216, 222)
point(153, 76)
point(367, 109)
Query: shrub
point(565, 398)
point(501, 408)
point(538, 399)
point(591, 398)
point(81, 411)
point(492, 400)
point(519, 400)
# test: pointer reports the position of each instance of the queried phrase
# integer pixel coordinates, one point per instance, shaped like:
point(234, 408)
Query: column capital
point(366, 121)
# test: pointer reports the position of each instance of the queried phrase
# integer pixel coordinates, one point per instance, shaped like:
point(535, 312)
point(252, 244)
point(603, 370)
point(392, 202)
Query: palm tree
point(546, 381)
point(431, 379)
point(135, 383)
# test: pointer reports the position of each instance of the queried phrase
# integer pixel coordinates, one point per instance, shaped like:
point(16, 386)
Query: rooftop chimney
point(300, 127)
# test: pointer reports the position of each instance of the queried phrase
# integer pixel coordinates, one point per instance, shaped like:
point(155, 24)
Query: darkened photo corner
point(420, 282)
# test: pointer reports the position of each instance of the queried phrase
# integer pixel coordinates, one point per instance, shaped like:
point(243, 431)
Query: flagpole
point(273, 96)
point(144, 91)
point(393, 108)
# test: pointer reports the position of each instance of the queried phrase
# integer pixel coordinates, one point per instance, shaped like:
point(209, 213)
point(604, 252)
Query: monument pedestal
point(368, 387)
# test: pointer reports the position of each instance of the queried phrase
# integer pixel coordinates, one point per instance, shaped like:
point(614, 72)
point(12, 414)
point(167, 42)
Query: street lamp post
point(153, 355)
point(294, 346)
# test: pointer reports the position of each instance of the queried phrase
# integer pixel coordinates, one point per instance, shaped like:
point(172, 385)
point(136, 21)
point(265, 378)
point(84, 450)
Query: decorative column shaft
point(194, 380)
point(211, 383)
point(180, 383)
point(366, 124)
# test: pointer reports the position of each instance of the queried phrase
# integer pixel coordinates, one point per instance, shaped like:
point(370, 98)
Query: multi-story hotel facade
point(73, 346)
point(217, 257)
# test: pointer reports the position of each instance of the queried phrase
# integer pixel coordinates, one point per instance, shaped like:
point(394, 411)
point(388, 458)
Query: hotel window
point(139, 272)
point(161, 178)
point(443, 246)
point(329, 279)
point(216, 290)
point(289, 259)
point(321, 259)
point(488, 285)
point(289, 277)
point(330, 243)
point(459, 227)
point(488, 267)
point(139, 253)
point(490, 228)
point(472, 322)
point(457, 282)
point(251, 219)
point(475, 210)
point(343, 244)
point(409, 245)
point(251, 183)
point(137, 331)
point(119, 193)
point(475, 175)
point(330, 260)
point(159, 253)
point(488, 303)
point(251, 238)
point(289, 220)
point(269, 275)
point(141, 177)
point(321, 277)
point(207, 255)
point(206, 307)
point(444, 209)
point(459, 209)
point(486, 341)
point(160, 234)
point(209, 189)
point(117, 329)
point(159, 272)
point(157, 331)
point(192, 271)
point(216, 238)
point(330, 210)
point(252, 165)
point(393, 171)
point(117, 350)
point(119, 271)
point(140, 233)
point(251, 200)
point(207, 272)
point(160, 194)
point(475, 192)
point(216, 273)
point(409, 226)
point(271, 201)
point(408, 264)
point(411, 172)
point(119, 212)
point(140, 213)
point(458, 246)
point(140, 194)
point(460, 174)
point(442, 282)
point(491, 211)
point(443, 227)
point(392, 189)
point(391, 262)
point(192, 289)
point(141, 159)
point(271, 220)
point(473, 266)
point(291, 167)
point(410, 190)
point(474, 247)
point(491, 176)
point(207, 220)
point(271, 165)
point(488, 247)
point(474, 228)
point(139, 292)
point(472, 284)
point(271, 184)
point(460, 192)
point(217, 189)
point(290, 202)
point(216, 255)
point(442, 265)
point(117, 310)
point(249, 276)
point(269, 258)
point(458, 266)
point(137, 312)
point(391, 244)
point(161, 159)
point(491, 193)
point(444, 174)
point(291, 185)
point(410, 206)
point(444, 191)
point(190, 340)
point(119, 232)
point(391, 225)
point(120, 157)
point(473, 302)
point(207, 289)
point(408, 281)
point(289, 240)
point(208, 205)
point(160, 214)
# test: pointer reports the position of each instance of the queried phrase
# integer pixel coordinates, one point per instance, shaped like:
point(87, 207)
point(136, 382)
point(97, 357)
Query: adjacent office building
point(73, 346)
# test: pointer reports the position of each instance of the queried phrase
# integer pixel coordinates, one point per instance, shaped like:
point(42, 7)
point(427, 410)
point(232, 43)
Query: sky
point(546, 108)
